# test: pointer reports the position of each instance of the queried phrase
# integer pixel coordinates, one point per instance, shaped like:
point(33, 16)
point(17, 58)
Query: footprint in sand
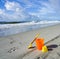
point(59, 44)
point(12, 41)
point(12, 49)
point(58, 54)
point(38, 57)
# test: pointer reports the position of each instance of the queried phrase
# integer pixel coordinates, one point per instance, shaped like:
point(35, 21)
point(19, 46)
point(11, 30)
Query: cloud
point(46, 10)
point(26, 3)
point(12, 6)
point(55, 4)
point(9, 5)
point(1, 12)
point(13, 12)
point(30, 9)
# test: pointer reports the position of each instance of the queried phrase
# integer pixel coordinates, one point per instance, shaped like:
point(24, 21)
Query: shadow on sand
point(51, 47)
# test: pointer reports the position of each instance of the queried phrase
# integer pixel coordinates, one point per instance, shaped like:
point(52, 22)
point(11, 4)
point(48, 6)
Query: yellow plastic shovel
point(30, 45)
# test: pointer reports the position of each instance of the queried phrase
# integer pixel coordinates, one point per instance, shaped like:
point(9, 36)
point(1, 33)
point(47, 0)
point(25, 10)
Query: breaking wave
point(8, 29)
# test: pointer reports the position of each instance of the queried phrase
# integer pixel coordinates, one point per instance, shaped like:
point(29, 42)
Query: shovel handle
point(35, 38)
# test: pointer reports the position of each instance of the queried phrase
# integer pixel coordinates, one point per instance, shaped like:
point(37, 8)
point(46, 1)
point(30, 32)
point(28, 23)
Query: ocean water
point(9, 29)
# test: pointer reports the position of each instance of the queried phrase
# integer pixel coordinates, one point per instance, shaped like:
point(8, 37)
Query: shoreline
point(3, 34)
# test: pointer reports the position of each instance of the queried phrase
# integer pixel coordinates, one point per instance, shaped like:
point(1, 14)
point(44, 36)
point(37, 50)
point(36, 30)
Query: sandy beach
point(15, 46)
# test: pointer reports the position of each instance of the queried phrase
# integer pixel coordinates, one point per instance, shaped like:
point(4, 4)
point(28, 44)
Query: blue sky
point(21, 10)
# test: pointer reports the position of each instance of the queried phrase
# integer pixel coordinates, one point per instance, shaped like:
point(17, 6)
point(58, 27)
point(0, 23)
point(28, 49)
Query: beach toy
point(30, 45)
point(39, 43)
point(44, 49)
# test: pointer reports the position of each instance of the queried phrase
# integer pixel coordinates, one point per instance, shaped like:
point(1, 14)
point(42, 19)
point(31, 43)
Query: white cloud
point(9, 5)
point(55, 4)
point(17, 14)
point(1, 12)
point(45, 11)
point(14, 6)
point(47, 8)
point(26, 2)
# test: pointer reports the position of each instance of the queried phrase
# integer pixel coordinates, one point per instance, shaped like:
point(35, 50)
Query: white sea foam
point(28, 23)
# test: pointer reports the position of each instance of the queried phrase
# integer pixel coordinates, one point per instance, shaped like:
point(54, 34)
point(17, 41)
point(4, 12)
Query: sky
point(29, 10)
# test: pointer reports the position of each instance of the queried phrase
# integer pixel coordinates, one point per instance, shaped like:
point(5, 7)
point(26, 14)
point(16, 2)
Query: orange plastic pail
point(39, 43)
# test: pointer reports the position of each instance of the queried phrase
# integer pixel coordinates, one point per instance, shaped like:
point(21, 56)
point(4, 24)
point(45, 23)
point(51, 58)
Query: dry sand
point(15, 46)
